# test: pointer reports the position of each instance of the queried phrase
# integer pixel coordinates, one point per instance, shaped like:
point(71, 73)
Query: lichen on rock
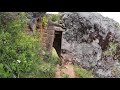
point(88, 35)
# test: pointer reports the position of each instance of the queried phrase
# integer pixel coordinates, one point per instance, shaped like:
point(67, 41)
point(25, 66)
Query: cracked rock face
point(87, 35)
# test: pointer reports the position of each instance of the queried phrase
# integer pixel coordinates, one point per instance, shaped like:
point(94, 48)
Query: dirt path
point(66, 70)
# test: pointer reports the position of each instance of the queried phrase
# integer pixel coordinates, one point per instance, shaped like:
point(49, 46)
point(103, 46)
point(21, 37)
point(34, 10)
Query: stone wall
point(48, 38)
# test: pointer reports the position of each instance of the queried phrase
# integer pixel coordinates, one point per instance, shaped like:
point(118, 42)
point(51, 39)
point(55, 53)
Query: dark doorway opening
point(57, 42)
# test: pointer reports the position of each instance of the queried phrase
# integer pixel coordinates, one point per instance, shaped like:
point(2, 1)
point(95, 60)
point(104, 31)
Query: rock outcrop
point(34, 19)
point(87, 36)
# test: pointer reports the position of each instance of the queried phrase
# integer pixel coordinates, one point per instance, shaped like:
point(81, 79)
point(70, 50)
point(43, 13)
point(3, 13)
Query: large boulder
point(87, 26)
point(87, 36)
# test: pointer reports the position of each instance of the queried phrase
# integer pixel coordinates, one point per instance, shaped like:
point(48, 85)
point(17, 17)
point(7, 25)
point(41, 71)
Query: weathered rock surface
point(87, 35)
point(34, 19)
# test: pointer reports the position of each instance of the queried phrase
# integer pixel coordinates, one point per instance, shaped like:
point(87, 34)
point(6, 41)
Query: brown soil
point(66, 70)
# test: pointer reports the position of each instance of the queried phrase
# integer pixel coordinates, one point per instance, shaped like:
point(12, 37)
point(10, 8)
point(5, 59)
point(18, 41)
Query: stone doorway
point(57, 42)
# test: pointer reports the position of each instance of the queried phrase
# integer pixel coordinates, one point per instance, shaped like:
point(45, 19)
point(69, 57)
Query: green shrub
point(46, 70)
point(3, 73)
point(54, 17)
point(82, 73)
point(52, 58)
point(41, 70)
point(44, 21)
point(18, 51)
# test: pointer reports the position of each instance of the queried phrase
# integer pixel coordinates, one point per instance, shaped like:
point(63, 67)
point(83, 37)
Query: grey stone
point(34, 18)
point(87, 35)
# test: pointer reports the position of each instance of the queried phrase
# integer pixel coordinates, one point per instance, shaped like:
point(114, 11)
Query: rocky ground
point(65, 71)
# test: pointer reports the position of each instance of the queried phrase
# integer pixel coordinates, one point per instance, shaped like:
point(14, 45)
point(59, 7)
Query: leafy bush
point(52, 58)
point(41, 70)
point(18, 51)
point(44, 21)
point(82, 73)
point(54, 17)
point(46, 70)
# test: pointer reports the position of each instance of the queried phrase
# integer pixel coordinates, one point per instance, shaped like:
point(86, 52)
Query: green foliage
point(52, 58)
point(46, 70)
point(3, 73)
point(111, 49)
point(54, 17)
point(41, 70)
point(82, 73)
point(65, 75)
point(44, 21)
point(18, 51)
point(55, 57)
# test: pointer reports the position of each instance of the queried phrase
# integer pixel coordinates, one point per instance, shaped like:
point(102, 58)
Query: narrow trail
point(66, 70)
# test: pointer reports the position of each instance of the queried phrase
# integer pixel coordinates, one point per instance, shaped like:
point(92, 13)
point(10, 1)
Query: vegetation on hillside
point(20, 53)
point(82, 73)
point(44, 21)
point(54, 17)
